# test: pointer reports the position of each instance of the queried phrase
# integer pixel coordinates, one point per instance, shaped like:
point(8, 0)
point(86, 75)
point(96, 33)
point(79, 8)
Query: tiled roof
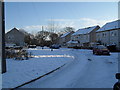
point(110, 25)
point(84, 30)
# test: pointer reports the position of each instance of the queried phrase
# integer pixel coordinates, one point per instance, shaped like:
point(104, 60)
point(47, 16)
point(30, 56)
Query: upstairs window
point(115, 34)
point(103, 34)
point(98, 35)
point(112, 34)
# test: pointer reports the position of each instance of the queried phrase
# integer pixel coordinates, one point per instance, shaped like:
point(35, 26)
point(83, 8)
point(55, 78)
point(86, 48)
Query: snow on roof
point(72, 41)
point(109, 26)
point(65, 34)
point(84, 30)
point(14, 29)
point(23, 31)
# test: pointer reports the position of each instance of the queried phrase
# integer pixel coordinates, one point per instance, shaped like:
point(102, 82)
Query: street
point(53, 45)
point(85, 71)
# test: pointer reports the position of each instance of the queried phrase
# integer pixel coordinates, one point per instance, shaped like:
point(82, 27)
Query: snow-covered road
point(86, 71)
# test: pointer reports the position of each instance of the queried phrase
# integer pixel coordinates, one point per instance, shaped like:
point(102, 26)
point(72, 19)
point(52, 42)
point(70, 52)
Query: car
point(55, 46)
point(101, 50)
point(9, 46)
point(32, 46)
point(117, 84)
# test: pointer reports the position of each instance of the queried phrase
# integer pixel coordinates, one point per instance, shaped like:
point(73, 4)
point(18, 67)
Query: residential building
point(65, 38)
point(15, 36)
point(85, 36)
point(109, 34)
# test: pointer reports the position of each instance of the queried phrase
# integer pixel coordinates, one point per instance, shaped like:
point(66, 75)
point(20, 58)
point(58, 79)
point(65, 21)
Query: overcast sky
point(32, 15)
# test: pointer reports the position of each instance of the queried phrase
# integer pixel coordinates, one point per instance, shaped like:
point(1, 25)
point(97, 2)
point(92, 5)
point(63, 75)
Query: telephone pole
point(2, 32)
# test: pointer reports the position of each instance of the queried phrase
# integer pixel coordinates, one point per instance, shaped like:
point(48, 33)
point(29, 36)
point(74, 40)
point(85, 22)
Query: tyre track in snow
point(80, 73)
point(97, 73)
point(64, 77)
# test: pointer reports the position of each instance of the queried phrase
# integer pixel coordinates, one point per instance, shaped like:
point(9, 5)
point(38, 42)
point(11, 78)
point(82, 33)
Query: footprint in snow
point(89, 59)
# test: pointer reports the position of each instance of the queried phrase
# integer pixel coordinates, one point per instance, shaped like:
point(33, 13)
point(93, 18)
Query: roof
point(23, 31)
point(16, 30)
point(84, 30)
point(110, 25)
point(65, 34)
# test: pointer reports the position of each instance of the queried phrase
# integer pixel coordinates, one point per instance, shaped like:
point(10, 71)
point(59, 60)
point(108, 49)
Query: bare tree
point(53, 26)
point(41, 36)
point(65, 30)
point(68, 29)
point(53, 37)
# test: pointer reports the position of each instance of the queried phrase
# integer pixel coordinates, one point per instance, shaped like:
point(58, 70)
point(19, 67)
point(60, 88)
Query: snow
point(44, 61)
point(84, 30)
point(86, 71)
point(72, 42)
point(110, 25)
point(14, 29)
point(82, 69)
point(10, 45)
point(65, 34)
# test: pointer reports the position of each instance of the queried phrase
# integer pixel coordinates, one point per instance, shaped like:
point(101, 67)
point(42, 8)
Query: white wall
point(82, 38)
point(108, 37)
point(114, 37)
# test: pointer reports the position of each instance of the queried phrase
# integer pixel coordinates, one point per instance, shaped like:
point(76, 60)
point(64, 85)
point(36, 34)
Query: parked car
point(55, 46)
point(32, 46)
point(111, 48)
point(117, 84)
point(9, 46)
point(18, 47)
point(100, 50)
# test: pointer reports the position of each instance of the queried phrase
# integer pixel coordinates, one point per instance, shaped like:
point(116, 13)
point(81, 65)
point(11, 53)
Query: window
point(8, 37)
point(112, 34)
point(103, 34)
point(98, 35)
point(11, 37)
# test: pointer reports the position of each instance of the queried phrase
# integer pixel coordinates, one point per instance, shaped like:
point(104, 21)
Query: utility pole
point(42, 37)
point(119, 37)
point(2, 32)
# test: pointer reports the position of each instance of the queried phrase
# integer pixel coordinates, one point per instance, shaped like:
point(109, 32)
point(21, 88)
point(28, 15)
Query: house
point(65, 38)
point(85, 36)
point(15, 36)
point(109, 34)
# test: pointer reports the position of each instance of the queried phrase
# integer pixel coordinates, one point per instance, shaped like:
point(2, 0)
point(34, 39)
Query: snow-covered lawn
point(86, 71)
point(44, 61)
